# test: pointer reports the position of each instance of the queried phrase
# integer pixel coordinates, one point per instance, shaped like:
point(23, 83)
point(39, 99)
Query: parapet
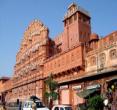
point(73, 8)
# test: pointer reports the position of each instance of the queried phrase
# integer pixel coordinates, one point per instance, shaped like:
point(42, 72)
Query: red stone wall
point(64, 61)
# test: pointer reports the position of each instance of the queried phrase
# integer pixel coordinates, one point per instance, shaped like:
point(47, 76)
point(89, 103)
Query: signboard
point(64, 87)
point(93, 86)
point(77, 87)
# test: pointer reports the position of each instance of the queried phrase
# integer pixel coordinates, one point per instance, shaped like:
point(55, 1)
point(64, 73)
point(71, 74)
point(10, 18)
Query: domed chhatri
point(94, 36)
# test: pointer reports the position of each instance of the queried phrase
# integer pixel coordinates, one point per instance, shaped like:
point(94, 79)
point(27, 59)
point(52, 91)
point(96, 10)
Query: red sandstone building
point(3, 80)
point(77, 58)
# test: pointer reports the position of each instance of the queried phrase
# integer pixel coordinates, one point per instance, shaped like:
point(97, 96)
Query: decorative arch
point(93, 61)
point(113, 54)
point(102, 59)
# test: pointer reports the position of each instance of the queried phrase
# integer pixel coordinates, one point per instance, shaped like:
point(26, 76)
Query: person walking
point(20, 106)
point(33, 106)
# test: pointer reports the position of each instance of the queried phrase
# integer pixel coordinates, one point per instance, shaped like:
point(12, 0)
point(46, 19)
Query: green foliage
point(51, 93)
point(95, 103)
point(47, 94)
point(82, 107)
point(54, 95)
point(52, 86)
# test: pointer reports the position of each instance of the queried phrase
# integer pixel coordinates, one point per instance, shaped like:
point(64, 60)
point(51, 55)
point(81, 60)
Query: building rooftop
point(73, 8)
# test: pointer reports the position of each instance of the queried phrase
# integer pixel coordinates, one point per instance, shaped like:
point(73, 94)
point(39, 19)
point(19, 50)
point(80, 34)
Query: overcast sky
point(15, 15)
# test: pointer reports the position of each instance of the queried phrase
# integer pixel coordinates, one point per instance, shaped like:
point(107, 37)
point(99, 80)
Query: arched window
point(113, 54)
point(102, 59)
point(93, 61)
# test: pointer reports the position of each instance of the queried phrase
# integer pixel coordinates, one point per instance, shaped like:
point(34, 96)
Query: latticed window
point(113, 54)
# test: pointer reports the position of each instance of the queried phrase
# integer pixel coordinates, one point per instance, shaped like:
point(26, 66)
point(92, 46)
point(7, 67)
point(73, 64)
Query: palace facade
point(77, 59)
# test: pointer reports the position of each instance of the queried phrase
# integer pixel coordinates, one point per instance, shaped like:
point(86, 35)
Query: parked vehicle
point(28, 105)
point(62, 107)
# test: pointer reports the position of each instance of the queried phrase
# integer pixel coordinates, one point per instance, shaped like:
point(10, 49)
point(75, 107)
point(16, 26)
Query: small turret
point(77, 28)
point(93, 41)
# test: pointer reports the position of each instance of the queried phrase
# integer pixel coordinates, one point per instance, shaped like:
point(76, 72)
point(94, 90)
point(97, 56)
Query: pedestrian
point(33, 106)
point(20, 105)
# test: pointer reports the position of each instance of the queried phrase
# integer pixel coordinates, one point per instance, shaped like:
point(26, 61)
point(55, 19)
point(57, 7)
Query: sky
point(16, 15)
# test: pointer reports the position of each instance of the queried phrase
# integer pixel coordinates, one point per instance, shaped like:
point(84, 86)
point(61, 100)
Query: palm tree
point(51, 94)
point(95, 103)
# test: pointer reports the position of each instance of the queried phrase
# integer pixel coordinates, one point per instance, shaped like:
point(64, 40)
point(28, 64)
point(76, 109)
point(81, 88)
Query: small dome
point(94, 36)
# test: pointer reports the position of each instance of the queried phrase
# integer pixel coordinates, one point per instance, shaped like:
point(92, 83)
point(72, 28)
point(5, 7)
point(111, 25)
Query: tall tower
point(77, 27)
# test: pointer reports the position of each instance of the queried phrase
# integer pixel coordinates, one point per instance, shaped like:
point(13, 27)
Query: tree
point(51, 93)
point(95, 103)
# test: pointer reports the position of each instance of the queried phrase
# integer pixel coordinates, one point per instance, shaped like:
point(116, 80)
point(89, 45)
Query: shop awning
point(112, 79)
point(85, 93)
